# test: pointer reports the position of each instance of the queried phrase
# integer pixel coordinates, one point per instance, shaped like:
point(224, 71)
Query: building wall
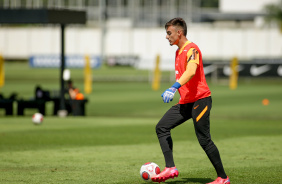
point(244, 6)
point(215, 43)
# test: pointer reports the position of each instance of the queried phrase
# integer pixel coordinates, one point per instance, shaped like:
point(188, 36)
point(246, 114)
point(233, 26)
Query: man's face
point(173, 35)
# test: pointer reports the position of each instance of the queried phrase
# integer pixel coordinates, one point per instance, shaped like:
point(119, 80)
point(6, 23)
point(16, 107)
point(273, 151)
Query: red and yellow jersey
point(197, 87)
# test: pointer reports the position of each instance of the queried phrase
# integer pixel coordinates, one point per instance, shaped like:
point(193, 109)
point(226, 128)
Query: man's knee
point(161, 128)
point(206, 143)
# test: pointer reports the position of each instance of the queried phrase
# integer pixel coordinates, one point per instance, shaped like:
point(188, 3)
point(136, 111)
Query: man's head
point(176, 29)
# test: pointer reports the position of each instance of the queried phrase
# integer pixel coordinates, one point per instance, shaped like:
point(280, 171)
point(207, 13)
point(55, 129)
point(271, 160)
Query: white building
point(235, 29)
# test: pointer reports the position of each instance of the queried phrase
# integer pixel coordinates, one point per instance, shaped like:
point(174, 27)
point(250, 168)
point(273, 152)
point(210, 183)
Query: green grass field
point(117, 136)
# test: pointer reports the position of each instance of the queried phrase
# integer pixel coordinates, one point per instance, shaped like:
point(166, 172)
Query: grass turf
point(117, 136)
point(112, 150)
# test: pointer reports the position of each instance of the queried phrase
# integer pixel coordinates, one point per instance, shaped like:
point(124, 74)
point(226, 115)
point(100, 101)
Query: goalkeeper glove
point(169, 93)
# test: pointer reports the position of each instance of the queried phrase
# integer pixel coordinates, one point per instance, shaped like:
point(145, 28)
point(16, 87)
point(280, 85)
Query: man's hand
point(169, 93)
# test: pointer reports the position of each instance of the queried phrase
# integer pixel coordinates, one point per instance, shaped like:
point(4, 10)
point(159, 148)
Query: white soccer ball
point(37, 118)
point(149, 170)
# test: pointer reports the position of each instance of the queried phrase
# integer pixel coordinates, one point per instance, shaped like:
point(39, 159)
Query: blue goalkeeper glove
point(169, 93)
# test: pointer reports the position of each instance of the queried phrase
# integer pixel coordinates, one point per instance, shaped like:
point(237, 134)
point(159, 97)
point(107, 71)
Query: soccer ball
point(149, 170)
point(37, 118)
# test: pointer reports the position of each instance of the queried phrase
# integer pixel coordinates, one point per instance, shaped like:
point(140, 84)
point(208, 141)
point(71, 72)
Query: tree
point(209, 3)
point(274, 14)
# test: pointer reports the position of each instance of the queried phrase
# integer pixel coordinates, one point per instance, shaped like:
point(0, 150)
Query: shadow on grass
point(191, 180)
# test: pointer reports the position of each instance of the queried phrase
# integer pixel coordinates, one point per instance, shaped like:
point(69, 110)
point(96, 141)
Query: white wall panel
point(246, 6)
point(41, 40)
point(83, 41)
point(214, 43)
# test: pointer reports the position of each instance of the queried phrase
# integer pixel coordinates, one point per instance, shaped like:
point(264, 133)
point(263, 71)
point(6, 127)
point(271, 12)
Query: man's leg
point(201, 119)
point(171, 119)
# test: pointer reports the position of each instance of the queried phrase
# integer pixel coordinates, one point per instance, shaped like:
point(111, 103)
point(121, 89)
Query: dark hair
point(177, 22)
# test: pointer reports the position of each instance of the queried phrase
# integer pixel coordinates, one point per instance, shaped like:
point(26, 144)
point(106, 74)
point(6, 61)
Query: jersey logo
point(194, 54)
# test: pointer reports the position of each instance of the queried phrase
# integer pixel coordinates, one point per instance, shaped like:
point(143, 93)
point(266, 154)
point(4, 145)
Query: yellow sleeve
point(193, 56)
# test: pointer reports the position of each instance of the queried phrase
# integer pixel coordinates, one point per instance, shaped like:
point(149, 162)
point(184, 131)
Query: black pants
point(199, 111)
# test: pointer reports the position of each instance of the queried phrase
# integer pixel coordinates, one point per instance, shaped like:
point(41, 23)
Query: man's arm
point(188, 74)
point(192, 64)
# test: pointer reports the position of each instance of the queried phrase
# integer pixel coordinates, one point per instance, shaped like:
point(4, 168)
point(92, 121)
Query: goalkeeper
point(195, 102)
